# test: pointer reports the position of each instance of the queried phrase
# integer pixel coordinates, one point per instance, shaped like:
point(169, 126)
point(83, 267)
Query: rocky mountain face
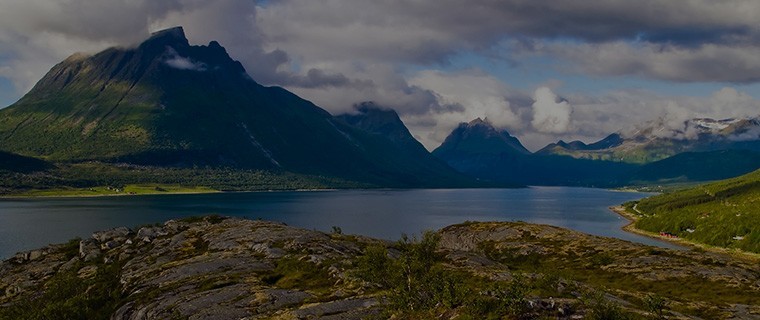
point(219, 268)
point(169, 103)
point(383, 122)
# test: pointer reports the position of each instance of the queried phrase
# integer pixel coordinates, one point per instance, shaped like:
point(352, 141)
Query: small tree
point(655, 305)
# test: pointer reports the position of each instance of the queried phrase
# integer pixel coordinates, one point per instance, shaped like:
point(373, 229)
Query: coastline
point(630, 227)
point(164, 193)
point(23, 196)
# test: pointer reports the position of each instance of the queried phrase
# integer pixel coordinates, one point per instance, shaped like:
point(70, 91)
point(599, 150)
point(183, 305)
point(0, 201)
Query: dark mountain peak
point(370, 115)
point(371, 106)
point(171, 36)
point(479, 122)
point(610, 141)
point(479, 137)
point(217, 48)
point(383, 121)
point(377, 113)
point(483, 127)
point(573, 145)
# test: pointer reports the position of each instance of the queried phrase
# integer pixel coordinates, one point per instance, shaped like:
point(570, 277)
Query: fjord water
point(31, 223)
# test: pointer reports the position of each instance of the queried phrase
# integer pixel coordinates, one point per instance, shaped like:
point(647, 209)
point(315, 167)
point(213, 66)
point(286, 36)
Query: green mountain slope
point(167, 103)
point(723, 214)
point(696, 166)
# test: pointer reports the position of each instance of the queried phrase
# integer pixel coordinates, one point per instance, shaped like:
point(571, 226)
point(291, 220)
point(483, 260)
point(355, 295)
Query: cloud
point(478, 95)
point(701, 63)
point(550, 116)
point(183, 63)
point(399, 53)
point(174, 60)
point(425, 31)
point(752, 133)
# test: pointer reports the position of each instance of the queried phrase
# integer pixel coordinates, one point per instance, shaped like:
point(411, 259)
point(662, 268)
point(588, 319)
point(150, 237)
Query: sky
point(544, 70)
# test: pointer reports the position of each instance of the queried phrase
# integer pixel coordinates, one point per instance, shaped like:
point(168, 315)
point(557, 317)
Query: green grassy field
point(131, 189)
point(722, 214)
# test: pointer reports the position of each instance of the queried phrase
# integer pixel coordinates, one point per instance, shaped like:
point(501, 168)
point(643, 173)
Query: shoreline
point(211, 191)
point(166, 193)
point(26, 197)
point(687, 244)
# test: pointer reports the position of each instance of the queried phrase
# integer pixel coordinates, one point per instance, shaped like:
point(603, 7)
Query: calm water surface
point(31, 223)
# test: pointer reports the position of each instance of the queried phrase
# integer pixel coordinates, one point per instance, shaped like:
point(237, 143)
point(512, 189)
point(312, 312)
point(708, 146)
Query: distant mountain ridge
point(169, 103)
point(656, 141)
point(482, 151)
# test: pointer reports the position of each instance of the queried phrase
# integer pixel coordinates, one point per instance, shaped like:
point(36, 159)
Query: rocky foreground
point(225, 268)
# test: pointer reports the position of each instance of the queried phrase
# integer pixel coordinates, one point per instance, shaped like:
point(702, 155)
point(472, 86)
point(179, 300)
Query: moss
point(292, 272)
point(66, 296)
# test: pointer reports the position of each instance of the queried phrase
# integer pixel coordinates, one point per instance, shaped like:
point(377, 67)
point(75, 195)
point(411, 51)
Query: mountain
point(168, 103)
point(696, 166)
point(724, 214)
point(479, 137)
point(482, 151)
point(384, 122)
point(608, 142)
point(656, 140)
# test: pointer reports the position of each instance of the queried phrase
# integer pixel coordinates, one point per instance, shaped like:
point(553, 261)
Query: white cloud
point(183, 63)
point(478, 94)
point(549, 115)
point(701, 63)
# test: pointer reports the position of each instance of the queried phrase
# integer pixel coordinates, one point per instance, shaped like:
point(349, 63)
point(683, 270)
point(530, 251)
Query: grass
point(67, 296)
point(723, 214)
point(606, 270)
point(131, 189)
point(420, 284)
point(297, 273)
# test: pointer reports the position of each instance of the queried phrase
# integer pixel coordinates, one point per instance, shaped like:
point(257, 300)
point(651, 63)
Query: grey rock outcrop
point(242, 269)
